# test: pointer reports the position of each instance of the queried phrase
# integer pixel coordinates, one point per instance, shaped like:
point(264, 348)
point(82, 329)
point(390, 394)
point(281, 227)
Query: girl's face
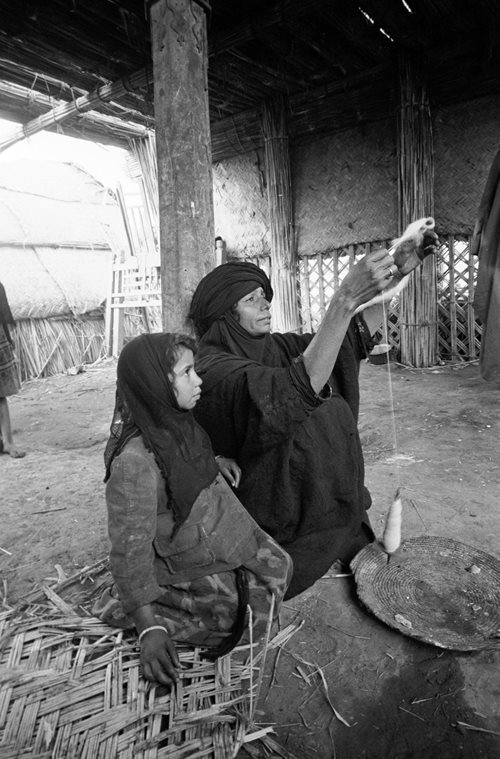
point(185, 381)
point(253, 313)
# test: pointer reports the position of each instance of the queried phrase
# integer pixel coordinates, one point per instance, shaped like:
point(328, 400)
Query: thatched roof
point(333, 59)
point(47, 202)
point(60, 228)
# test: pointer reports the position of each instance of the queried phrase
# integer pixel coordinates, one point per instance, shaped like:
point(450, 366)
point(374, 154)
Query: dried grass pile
point(71, 688)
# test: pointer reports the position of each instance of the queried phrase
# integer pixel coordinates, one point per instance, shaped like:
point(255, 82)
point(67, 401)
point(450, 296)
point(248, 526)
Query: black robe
point(301, 459)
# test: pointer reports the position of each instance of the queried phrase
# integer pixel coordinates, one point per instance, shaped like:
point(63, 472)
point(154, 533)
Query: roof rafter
point(65, 110)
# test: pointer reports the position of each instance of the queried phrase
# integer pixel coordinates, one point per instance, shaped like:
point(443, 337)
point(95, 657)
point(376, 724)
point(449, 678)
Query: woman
point(9, 379)
point(186, 557)
point(286, 406)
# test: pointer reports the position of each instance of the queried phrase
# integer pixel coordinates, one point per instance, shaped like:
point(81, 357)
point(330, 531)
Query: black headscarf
point(225, 346)
point(221, 288)
point(146, 405)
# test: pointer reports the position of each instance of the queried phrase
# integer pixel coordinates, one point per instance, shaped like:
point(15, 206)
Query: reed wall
point(466, 139)
point(345, 184)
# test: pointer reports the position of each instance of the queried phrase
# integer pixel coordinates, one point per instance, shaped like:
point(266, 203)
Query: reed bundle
point(144, 152)
point(64, 110)
point(279, 193)
point(418, 315)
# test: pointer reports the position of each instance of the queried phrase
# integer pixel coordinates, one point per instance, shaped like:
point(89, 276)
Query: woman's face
point(253, 313)
point(185, 381)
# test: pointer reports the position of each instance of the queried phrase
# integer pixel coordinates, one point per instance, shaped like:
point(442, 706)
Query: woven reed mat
point(71, 688)
point(434, 589)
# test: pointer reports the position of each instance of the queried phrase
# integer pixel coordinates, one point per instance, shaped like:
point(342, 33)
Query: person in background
point(9, 378)
point(186, 558)
point(285, 406)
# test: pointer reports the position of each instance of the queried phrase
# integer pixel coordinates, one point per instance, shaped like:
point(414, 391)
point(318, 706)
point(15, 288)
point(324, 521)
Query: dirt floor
point(345, 685)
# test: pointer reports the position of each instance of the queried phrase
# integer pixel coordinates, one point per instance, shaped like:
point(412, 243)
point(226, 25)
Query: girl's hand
point(159, 660)
point(230, 469)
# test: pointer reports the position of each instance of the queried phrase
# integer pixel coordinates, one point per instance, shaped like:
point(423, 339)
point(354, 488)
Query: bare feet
point(11, 450)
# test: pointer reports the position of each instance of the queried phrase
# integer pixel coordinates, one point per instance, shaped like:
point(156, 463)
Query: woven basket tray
point(434, 589)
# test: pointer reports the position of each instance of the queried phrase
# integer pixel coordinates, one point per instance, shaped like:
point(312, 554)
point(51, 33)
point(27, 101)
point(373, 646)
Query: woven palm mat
point(71, 688)
point(434, 589)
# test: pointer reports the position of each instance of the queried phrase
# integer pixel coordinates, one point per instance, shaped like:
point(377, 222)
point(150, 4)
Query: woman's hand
point(369, 277)
point(159, 660)
point(230, 469)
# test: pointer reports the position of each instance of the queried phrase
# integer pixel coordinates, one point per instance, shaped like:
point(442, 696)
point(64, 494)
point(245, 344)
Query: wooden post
point(285, 310)
point(418, 315)
point(180, 58)
point(117, 316)
point(108, 312)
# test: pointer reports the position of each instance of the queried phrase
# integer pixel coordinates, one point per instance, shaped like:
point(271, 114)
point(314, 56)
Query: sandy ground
point(435, 433)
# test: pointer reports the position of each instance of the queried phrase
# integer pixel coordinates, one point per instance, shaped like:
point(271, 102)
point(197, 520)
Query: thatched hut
point(61, 230)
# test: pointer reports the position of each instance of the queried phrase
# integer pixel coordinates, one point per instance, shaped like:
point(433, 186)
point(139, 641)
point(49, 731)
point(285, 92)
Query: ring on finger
point(393, 270)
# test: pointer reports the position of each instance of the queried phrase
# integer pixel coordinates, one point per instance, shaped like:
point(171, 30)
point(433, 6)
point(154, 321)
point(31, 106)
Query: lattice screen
point(459, 330)
point(319, 276)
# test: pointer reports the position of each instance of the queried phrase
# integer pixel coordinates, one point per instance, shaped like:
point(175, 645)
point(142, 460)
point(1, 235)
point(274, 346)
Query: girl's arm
point(159, 659)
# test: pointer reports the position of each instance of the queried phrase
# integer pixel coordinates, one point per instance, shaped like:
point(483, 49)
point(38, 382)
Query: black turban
point(221, 288)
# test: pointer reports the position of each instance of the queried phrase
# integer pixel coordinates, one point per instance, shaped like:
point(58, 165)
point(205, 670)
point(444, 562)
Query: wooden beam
point(180, 57)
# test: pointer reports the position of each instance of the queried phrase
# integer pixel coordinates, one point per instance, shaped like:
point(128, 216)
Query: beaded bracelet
point(148, 629)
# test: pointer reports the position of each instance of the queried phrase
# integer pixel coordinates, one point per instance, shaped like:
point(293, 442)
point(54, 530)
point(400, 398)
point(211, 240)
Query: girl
point(186, 558)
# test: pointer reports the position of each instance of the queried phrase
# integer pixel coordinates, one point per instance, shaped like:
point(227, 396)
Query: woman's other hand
point(230, 469)
point(369, 277)
point(159, 660)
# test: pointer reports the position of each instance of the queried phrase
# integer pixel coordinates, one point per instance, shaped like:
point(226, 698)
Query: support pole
point(285, 310)
point(418, 314)
point(180, 58)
